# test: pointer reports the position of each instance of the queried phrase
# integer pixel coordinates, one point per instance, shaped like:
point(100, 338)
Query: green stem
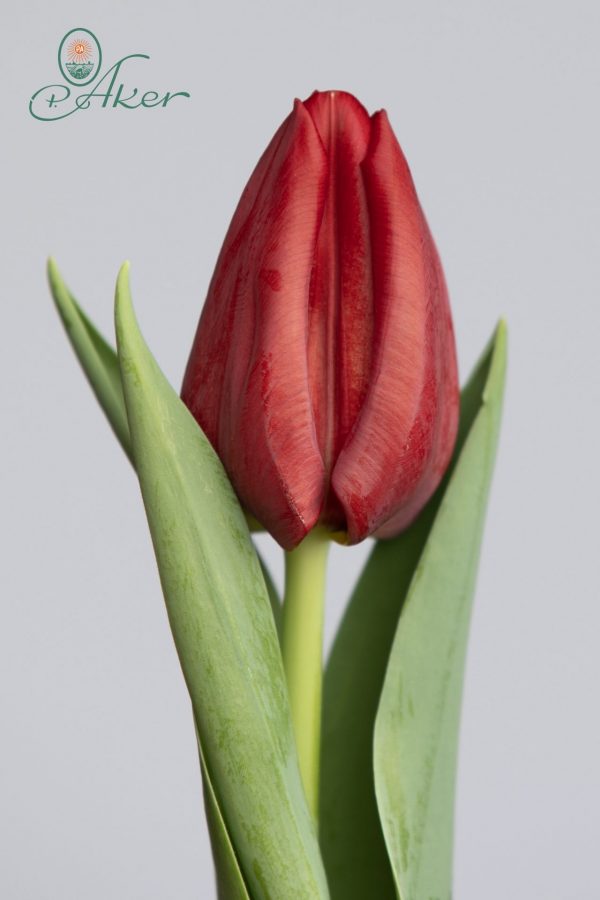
point(302, 649)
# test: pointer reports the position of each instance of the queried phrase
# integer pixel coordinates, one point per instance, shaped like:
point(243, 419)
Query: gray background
point(495, 105)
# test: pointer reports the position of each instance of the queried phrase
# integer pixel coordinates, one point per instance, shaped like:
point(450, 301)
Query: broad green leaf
point(417, 722)
point(101, 367)
point(223, 627)
point(98, 360)
point(350, 833)
point(351, 837)
point(230, 881)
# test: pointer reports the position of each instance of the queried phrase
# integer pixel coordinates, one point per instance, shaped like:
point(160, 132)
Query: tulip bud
point(323, 369)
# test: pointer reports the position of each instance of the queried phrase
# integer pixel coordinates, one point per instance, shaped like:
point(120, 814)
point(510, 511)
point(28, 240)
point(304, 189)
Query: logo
point(80, 64)
point(79, 56)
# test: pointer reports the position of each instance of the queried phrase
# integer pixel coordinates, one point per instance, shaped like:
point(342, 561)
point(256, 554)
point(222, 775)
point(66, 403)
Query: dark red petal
point(404, 435)
point(205, 372)
point(341, 291)
point(341, 303)
point(247, 379)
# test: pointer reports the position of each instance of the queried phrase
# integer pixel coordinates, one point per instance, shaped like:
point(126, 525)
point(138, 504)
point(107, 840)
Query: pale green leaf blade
point(97, 358)
point(230, 880)
point(350, 833)
point(101, 366)
point(223, 628)
point(351, 838)
point(417, 722)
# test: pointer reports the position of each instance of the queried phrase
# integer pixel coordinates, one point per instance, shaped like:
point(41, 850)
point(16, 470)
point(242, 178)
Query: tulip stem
point(302, 650)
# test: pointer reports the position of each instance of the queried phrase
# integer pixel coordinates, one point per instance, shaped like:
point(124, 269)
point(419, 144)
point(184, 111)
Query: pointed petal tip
point(383, 135)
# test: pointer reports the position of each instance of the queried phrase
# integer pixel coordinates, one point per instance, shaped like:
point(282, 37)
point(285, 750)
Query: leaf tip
point(58, 289)
point(54, 277)
point(124, 314)
point(501, 341)
point(497, 372)
point(502, 331)
point(123, 291)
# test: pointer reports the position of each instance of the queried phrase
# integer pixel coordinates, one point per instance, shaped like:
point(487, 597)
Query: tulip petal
point(247, 379)
point(341, 298)
point(404, 435)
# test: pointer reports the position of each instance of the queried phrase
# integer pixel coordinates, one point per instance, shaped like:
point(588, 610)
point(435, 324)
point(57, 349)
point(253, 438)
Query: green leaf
point(223, 627)
point(101, 367)
point(230, 881)
point(417, 723)
point(350, 833)
point(351, 836)
point(98, 359)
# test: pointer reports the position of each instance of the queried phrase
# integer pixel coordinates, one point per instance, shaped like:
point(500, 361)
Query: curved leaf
point(97, 358)
point(351, 837)
point(223, 628)
point(101, 368)
point(350, 833)
point(230, 881)
point(417, 722)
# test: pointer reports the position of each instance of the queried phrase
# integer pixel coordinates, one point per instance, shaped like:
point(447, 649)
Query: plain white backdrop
point(495, 105)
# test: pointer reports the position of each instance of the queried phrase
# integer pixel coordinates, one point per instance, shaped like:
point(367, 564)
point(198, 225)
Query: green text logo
point(80, 64)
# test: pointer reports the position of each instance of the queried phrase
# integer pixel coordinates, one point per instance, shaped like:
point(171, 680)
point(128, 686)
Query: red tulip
point(324, 370)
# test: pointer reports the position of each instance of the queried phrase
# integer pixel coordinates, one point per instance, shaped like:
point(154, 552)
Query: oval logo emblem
point(79, 56)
